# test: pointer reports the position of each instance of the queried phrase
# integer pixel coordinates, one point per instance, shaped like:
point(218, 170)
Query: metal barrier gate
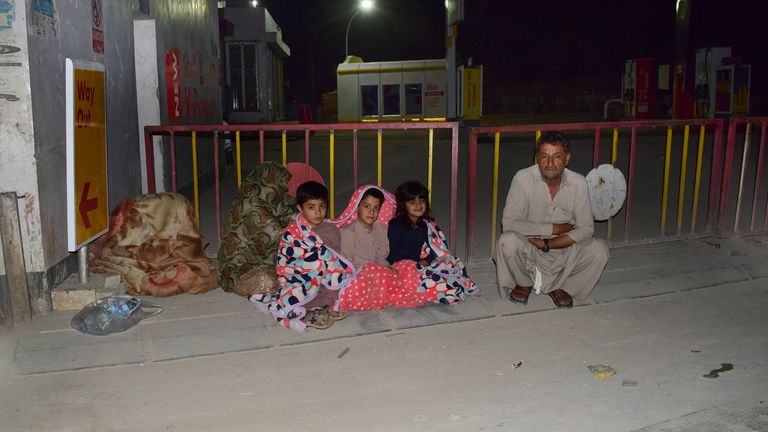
point(628, 130)
point(307, 129)
point(746, 213)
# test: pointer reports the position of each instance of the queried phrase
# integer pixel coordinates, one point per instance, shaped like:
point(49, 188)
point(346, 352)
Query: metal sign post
point(87, 211)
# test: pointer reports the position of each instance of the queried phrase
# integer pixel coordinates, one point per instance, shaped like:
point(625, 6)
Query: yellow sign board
point(473, 93)
point(87, 206)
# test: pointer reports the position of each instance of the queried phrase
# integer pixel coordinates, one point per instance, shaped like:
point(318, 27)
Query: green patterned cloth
point(259, 214)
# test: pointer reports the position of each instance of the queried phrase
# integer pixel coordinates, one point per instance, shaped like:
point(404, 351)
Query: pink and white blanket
point(305, 263)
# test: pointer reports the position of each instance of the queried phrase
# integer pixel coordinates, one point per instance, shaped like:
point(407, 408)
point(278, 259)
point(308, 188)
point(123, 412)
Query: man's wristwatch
point(546, 246)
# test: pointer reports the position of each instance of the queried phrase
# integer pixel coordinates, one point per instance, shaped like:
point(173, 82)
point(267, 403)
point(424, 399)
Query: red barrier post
point(261, 145)
point(759, 178)
point(354, 158)
point(630, 182)
point(216, 182)
point(454, 185)
point(173, 161)
point(471, 193)
point(150, 160)
point(715, 179)
point(730, 149)
point(596, 149)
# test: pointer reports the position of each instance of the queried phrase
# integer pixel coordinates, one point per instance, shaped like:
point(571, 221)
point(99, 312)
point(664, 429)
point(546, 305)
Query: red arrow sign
point(87, 204)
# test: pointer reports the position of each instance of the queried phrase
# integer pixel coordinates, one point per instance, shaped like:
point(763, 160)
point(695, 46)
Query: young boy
point(312, 203)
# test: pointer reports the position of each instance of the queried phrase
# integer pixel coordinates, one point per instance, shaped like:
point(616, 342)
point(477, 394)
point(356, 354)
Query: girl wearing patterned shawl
point(304, 263)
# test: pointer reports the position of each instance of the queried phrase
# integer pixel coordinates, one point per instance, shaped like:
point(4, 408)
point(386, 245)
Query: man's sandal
point(520, 294)
point(319, 319)
point(561, 298)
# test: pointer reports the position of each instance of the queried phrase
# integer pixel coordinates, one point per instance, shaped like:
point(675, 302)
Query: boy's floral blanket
point(304, 263)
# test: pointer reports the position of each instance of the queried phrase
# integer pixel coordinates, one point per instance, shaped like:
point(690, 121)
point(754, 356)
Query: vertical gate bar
point(173, 162)
point(149, 152)
point(378, 157)
point(239, 161)
point(697, 181)
point(715, 178)
point(261, 146)
point(683, 166)
point(758, 177)
point(332, 175)
point(306, 152)
point(730, 147)
point(665, 192)
point(217, 185)
point(596, 149)
point(354, 157)
point(471, 193)
point(452, 229)
point(538, 135)
point(740, 196)
point(762, 145)
point(614, 156)
point(630, 181)
point(429, 167)
point(194, 178)
point(494, 190)
point(285, 150)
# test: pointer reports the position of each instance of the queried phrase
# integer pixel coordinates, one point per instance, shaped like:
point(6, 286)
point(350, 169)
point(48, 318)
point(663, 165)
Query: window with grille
point(243, 92)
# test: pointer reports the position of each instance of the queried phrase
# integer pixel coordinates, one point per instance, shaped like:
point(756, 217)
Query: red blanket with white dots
point(305, 263)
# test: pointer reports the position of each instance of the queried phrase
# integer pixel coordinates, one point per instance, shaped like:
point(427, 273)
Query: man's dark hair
point(406, 192)
point(311, 190)
point(374, 192)
point(554, 138)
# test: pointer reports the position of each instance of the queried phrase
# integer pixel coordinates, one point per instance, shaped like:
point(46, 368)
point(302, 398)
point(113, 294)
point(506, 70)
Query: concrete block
point(111, 280)
point(72, 300)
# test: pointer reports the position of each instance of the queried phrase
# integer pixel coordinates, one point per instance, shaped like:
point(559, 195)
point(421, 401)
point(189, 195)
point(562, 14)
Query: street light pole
point(346, 38)
point(364, 5)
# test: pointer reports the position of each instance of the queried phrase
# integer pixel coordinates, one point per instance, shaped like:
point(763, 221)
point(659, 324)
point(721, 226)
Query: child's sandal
point(319, 319)
point(337, 315)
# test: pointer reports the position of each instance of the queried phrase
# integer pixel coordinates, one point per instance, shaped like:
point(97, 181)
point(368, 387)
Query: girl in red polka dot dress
point(423, 269)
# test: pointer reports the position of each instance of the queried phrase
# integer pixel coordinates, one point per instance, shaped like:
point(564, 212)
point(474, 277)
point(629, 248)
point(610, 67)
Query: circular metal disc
point(607, 191)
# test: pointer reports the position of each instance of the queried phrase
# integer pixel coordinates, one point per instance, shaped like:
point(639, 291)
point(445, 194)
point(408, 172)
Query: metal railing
point(216, 131)
point(623, 128)
point(751, 174)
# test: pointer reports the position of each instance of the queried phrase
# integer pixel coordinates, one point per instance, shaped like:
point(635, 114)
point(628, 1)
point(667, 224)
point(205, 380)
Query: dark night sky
point(514, 40)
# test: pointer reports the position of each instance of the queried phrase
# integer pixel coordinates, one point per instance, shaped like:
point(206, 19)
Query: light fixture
point(254, 3)
point(364, 5)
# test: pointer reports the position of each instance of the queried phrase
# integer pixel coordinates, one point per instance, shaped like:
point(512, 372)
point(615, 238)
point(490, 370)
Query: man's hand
point(539, 243)
point(560, 229)
point(560, 242)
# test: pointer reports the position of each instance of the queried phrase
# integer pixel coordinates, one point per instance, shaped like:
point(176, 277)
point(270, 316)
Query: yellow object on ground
point(601, 371)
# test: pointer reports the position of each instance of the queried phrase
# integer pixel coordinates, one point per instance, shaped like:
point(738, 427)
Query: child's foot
point(319, 319)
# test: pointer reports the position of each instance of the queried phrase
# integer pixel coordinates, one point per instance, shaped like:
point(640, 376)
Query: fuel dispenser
point(638, 88)
point(722, 86)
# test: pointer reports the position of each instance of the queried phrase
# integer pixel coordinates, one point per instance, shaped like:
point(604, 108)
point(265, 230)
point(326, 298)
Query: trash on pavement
point(113, 314)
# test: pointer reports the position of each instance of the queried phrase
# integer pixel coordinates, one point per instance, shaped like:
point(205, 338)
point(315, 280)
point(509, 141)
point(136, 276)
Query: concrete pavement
point(663, 316)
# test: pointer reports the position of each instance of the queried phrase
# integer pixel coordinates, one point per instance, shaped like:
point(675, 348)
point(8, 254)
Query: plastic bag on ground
point(113, 314)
